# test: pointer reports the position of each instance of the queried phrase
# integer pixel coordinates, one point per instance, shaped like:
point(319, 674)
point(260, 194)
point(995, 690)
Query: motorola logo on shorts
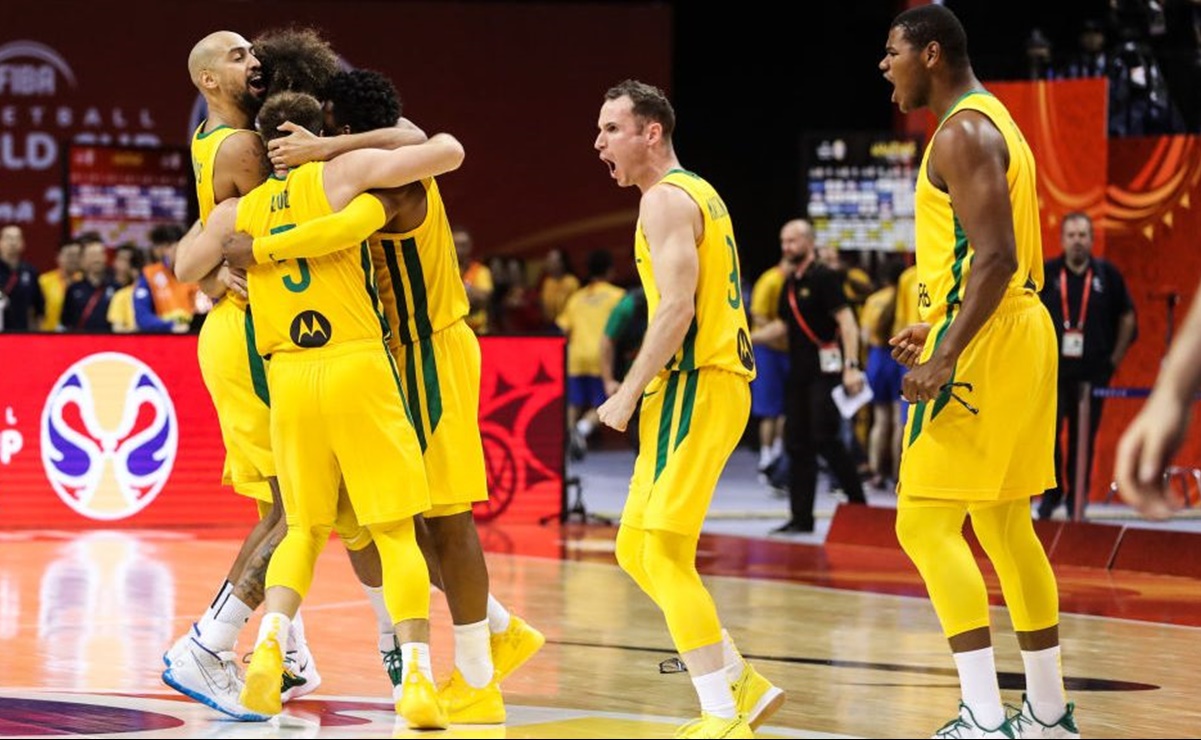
point(746, 353)
point(109, 436)
point(311, 329)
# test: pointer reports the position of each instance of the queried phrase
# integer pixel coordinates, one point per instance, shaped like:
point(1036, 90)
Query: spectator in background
point(519, 309)
point(823, 348)
point(884, 376)
point(558, 283)
point(1095, 322)
point(53, 283)
point(127, 265)
point(1089, 59)
point(85, 308)
point(1038, 56)
point(771, 358)
point(583, 320)
point(620, 344)
point(477, 279)
point(20, 295)
point(161, 302)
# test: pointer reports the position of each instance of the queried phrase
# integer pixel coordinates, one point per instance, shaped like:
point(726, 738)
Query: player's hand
point(234, 280)
point(238, 250)
point(927, 380)
point(615, 412)
point(298, 147)
point(1144, 452)
point(908, 343)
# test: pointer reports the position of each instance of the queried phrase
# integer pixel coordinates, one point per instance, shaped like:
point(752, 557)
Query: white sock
point(296, 633)
point(731, 658)
point(498, 616)
point(765, 457)
point(416, 655)
point(223, 621)
point(1044, 683)
point(585, 427)
point(777, 447)
point(979, 686)
point(715, 694)
point(277, 626)
point(383, 621)
point(473, 653)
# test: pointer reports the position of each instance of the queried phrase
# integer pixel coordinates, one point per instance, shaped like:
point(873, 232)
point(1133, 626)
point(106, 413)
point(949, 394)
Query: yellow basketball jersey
point(417, 272)
point(718, 336)
point(944, 254)
point(204, 158)
point(307, 303)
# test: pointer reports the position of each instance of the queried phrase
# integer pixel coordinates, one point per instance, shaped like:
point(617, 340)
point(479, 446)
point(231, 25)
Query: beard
point(249, 102)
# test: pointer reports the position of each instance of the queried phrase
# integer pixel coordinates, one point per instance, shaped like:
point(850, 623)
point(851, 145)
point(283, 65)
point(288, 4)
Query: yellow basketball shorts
point(236, 378)
point(682, 450)
point(337, 415)
point(1004, 450)
point(440, 376)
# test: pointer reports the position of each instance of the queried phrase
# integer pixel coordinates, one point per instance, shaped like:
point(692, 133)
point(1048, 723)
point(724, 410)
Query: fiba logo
point(109, 436)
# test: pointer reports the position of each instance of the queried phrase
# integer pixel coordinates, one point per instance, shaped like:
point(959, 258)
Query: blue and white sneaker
point(209, 678)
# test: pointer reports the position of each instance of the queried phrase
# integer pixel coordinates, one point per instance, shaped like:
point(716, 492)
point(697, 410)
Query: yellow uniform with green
point(337, 408)
point(438, 354)
point(681, 454)
point(235, 375)
point(1007, 372)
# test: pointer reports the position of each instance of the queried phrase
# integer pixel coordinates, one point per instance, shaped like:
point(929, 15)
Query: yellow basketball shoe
point(514, 646)
point(468, 705)
point(261, 693)
point(755, 697)
point(710, 726)
point(419, 704)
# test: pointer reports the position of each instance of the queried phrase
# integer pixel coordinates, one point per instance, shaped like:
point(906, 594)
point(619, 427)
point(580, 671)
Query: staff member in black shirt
point(21, 299)
point(1095, 321)
point(823, 346)
point(85, 308)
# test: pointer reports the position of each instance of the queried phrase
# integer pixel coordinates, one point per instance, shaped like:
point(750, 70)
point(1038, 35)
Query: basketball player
point(696, 354)
point(983, 365)
point(339, 413)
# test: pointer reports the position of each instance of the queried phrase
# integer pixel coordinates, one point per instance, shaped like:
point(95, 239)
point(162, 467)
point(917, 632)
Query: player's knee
point(628, 551)
point(910, 533)
point(354, 537)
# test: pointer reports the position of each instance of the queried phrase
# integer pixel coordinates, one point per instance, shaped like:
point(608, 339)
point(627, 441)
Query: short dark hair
point(90, 237)
point(1076, 216)
point(364, 100)
point(296, 58)
point(137, 257)
point(599, 263)
point(299, 108)
point(650, 104)
point(927, 23)
point(166, 234)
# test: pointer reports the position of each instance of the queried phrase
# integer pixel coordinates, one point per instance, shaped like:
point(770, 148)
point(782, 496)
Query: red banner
point(119, 431)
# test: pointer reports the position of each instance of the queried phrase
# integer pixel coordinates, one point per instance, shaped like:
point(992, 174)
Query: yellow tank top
point(718, 336)
point(204, 159)
point(417, 272)
point(944, 254)
point(307, 303)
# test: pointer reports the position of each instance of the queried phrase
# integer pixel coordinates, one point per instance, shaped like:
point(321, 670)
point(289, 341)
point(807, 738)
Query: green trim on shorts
point(665, 417)
point(686, 407)
point(258, 369)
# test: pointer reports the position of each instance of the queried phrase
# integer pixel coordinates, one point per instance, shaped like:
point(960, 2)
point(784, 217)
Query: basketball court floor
point(845, 630)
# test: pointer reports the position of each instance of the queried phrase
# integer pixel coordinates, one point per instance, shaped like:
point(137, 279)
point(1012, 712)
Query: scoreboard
point(858, 189)
point(124, 192)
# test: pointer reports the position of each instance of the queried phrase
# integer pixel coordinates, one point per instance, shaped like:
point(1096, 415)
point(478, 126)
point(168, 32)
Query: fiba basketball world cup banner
point(119, 431)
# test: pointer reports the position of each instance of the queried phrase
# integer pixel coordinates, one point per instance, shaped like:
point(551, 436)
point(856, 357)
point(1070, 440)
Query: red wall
point(119, 431)
point(520, 84)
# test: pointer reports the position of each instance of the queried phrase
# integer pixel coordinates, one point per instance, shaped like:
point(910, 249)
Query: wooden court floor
point(845, 630)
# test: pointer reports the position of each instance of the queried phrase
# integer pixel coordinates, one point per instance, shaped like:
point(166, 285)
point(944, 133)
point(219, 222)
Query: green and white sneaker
point(1025, 724)
point(394, 665)
point(965, 725)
